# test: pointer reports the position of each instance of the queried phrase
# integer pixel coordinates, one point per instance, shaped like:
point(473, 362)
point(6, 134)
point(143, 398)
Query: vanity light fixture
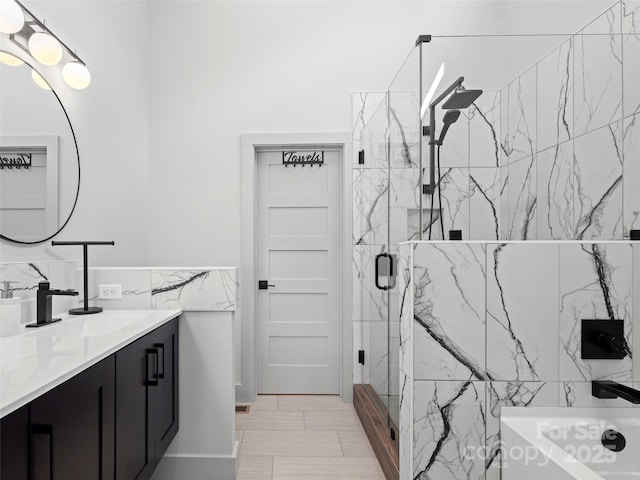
point(11, 17)
point(76, 75)
point(41, 82)
point(39, 42)
point(45, 48)
point(10, 60)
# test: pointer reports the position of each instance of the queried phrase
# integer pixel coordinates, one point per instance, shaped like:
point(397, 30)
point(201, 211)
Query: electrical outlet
point(110, 292)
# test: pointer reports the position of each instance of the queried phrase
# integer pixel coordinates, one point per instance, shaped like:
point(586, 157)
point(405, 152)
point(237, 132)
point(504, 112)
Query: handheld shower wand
point(449, 119)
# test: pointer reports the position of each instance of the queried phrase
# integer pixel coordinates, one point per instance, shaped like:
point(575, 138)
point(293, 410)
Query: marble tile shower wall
point(555, 155)
point(487, 325)
point(570, 153)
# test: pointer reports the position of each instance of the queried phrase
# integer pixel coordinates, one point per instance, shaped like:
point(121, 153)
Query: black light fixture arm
point(430, 189)
point(85, 310)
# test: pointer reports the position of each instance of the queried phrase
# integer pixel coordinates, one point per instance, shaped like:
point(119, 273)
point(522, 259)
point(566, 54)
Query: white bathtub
point(566, 443)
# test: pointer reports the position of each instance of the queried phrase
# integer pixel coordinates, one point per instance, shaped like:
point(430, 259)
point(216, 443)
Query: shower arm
point(430, 189)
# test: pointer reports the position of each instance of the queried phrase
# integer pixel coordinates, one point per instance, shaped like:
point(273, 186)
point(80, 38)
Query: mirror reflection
point(39, 164)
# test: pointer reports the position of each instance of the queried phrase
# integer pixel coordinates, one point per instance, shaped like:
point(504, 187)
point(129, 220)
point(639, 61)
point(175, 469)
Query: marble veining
point(519, 323)
point(555, 97)
point(484, 203)
point(484, 131)
point(370, 197)
point(595, 283)
point(403, 129)
point(194, 290)
point(523, 199)
point(26, 275)
point(630, 55)
point(522, 116)
point(449, 419)
point(555, 192)
point(449, 312)
point(598, 185)
point(598, 65)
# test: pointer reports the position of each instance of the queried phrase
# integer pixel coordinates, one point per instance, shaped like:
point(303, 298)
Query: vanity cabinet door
point(71, 428)
point(146, 401)
point(135, 394)
point(14, 440)
point(165, 339)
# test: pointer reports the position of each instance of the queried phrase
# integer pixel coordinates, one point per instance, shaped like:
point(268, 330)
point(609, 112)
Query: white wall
point(110, 119)
point(222, 69)
point(176, 83)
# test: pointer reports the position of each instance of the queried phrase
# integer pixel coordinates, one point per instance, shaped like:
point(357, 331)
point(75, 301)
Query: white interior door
point(299, 254)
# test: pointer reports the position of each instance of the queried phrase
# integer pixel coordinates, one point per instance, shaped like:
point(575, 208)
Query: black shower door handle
point(391, 274)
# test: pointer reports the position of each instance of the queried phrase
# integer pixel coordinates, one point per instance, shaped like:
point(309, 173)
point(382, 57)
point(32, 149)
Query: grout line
point(340, 443)
point(273, 466)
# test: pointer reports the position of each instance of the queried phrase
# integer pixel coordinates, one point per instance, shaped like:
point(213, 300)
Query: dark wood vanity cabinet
point(146, 402)
point(71, 428)
point(167, 403)
point(67, 432)
point(114, 420)
point(14, 443)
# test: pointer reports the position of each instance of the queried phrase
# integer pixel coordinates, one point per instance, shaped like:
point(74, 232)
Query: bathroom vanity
point(202, 300)
point(90, 397)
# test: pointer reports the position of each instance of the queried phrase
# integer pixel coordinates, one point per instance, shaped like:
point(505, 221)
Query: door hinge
point(361, 357)
point(361, 157)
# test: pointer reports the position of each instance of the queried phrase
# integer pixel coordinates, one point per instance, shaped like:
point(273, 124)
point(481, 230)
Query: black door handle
point(160, 347)
point(42, 452)
point(264, 284)
point(153, 381)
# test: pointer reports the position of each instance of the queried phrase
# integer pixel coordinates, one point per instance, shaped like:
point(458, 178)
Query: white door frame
point(246, 326)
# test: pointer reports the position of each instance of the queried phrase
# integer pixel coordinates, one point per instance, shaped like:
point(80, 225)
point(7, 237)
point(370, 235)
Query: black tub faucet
point(610, 389)
point(43, 299)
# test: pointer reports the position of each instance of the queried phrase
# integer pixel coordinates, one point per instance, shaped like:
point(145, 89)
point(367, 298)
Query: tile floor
point(300, 437)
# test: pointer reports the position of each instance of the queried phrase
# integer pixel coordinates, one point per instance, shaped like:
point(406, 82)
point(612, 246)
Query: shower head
point(461, 99)
point(449, 118)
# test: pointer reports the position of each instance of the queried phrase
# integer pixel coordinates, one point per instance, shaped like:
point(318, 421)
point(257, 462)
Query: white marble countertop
point(38, 360)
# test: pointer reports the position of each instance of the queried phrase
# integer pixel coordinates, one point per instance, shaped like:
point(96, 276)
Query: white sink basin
point(567, 443)
point(87, 325)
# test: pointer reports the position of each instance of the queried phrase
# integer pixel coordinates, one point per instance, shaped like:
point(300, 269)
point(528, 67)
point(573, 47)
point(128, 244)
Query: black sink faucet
point(44, 294)
point(610, 389)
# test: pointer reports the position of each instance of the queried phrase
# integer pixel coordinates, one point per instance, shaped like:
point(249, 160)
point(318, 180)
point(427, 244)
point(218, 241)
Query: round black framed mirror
point(39, 158)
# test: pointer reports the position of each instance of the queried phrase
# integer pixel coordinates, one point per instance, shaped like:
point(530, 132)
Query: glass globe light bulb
point(45, 48)
point(10, 60)
point(11, 17)
point(76, 75)
point(41, 82)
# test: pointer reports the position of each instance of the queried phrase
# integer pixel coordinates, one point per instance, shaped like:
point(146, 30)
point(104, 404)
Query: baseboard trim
point(198, 467)
point(373, 417)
